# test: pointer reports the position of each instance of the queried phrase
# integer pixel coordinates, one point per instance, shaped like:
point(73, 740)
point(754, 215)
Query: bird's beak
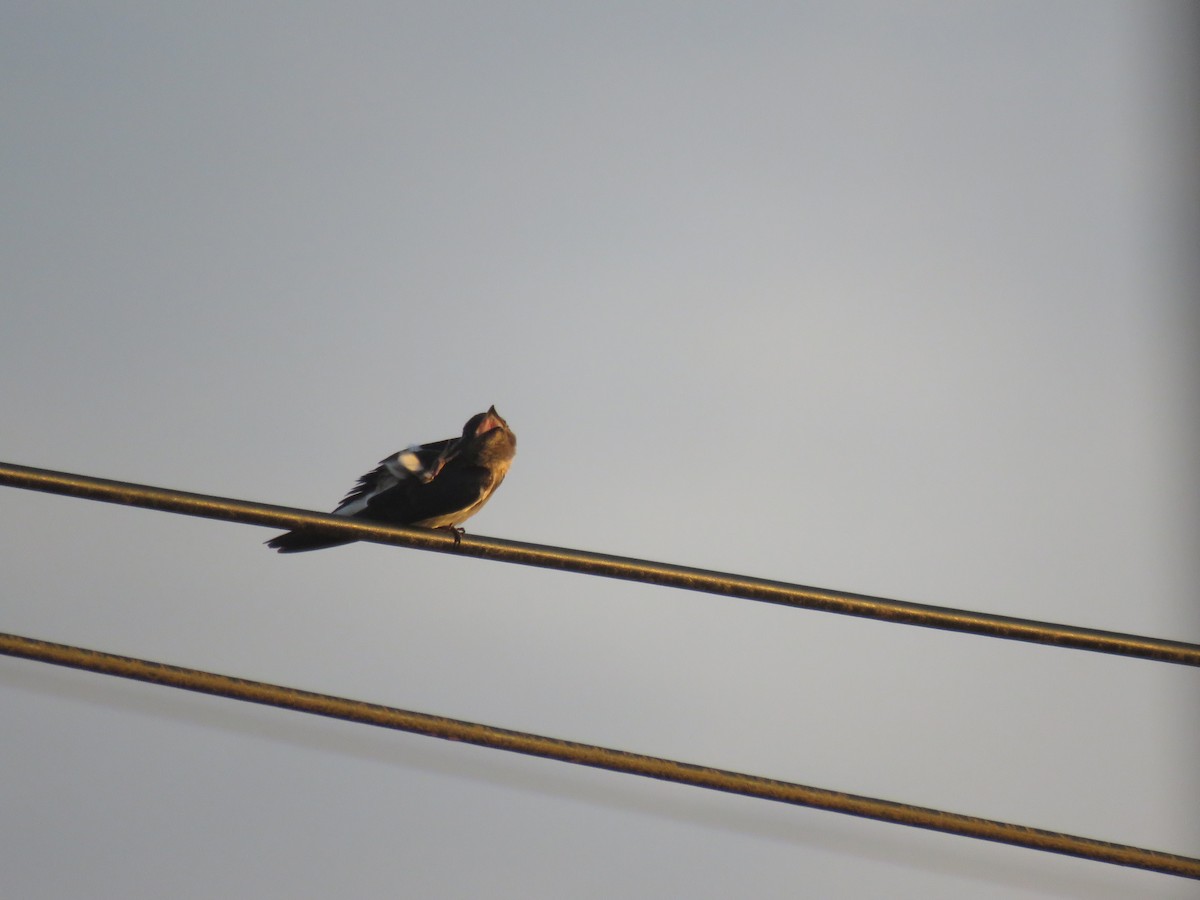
point(491, 421)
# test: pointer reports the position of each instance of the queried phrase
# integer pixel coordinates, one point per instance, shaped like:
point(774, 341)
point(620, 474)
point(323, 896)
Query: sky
point(886, 298)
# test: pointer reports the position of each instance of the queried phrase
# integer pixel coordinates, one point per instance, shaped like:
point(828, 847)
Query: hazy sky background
point(888, 298)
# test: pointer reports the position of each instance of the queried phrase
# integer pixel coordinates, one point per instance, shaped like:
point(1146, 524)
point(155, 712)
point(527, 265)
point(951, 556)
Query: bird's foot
point(457, 532)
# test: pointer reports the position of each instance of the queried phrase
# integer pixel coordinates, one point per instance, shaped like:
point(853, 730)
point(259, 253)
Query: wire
point(778, 592)
point(596, 757)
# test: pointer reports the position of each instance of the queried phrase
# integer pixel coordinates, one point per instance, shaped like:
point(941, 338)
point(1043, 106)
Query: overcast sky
point(881, 297)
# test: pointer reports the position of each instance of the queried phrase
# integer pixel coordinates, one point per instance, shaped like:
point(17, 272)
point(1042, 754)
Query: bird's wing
point(419, 463)
point(448, 499)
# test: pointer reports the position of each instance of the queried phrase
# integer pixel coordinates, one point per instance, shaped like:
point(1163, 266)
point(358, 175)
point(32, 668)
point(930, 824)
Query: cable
point(621, 567)
point(596, 757)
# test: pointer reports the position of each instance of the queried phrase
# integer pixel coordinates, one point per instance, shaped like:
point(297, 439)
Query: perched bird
point(438, 485)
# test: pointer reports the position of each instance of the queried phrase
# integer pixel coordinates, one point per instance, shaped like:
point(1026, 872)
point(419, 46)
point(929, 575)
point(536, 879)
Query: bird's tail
point(299, 541)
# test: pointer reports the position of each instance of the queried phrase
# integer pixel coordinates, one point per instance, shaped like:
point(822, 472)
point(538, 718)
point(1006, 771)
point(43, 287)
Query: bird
point(435, 485)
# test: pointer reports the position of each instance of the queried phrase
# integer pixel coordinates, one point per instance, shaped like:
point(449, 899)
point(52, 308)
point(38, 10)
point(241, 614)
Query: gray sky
point(888, 298)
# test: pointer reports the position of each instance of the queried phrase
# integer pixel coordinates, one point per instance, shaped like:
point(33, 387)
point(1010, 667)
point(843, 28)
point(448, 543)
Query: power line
point(793, 595)
point(596, 757)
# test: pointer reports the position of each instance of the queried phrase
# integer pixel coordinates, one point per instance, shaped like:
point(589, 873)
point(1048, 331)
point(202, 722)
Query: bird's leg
point(456, 531)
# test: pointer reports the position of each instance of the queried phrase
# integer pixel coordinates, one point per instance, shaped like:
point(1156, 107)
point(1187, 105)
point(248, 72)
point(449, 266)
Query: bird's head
point(491, 434)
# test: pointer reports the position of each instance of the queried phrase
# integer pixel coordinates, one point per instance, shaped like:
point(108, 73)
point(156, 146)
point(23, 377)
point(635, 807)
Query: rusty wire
point(793, 595)
point(597, 757)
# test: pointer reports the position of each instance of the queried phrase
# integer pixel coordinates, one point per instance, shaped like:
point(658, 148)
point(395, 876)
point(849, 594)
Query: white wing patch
point(406, 462)
point(357, 505)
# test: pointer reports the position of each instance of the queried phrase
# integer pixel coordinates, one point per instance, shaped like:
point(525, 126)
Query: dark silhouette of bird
point(437, 485)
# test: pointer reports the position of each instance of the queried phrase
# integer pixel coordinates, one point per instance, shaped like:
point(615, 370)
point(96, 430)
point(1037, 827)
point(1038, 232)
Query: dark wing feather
point(456, 488)
point(420, 463)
